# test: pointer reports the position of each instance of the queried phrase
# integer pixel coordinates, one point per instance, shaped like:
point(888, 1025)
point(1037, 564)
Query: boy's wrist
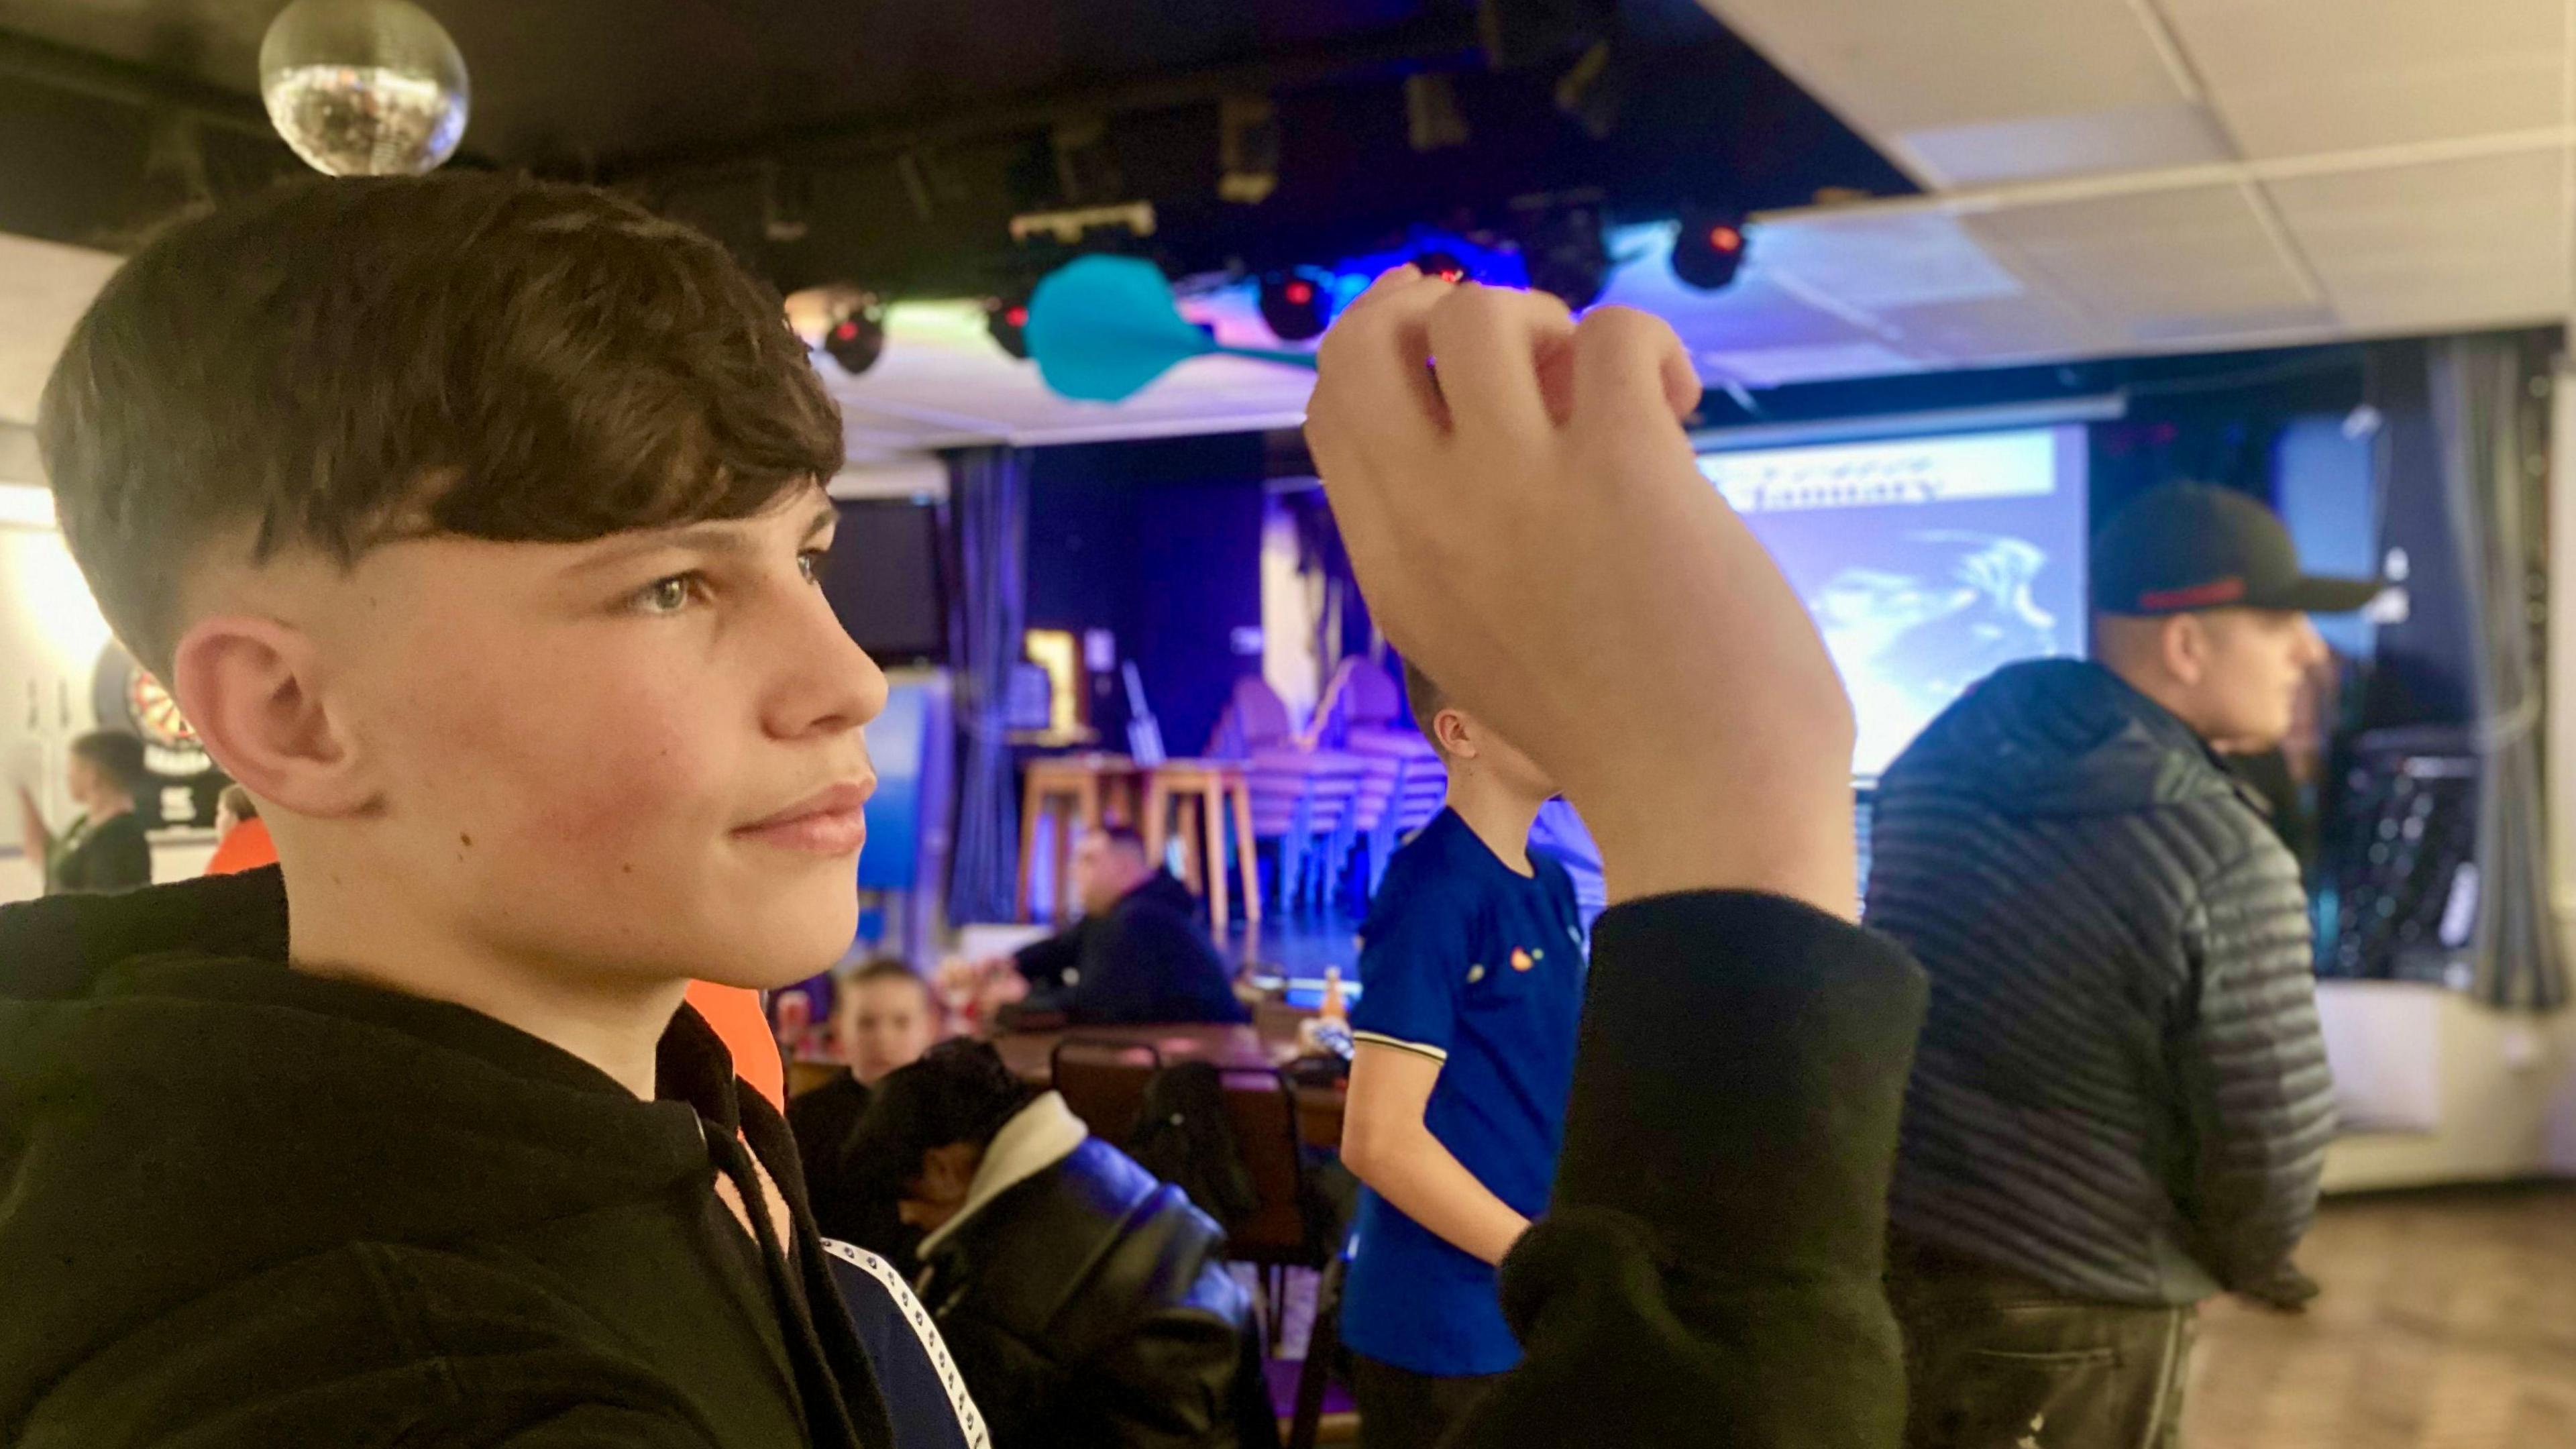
point(1794, 842)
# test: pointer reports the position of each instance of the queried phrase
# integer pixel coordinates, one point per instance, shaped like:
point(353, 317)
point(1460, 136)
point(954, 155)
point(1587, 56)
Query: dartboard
point(156, 714)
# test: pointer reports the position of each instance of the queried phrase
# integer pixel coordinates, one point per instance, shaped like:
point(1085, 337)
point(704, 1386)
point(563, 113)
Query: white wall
point(2437, 1088)
point(50, 638)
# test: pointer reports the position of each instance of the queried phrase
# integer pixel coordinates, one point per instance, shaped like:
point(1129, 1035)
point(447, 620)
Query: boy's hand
point(1528, 525)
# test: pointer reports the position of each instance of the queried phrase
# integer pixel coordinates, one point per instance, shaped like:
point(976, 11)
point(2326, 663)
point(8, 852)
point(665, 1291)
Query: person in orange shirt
point(241, 837)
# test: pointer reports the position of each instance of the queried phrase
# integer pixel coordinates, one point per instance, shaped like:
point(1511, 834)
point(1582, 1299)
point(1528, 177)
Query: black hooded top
point(244, 1205)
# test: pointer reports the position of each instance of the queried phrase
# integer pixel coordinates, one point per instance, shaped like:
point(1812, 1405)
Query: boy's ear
point(1455, 736)
point(250, 688)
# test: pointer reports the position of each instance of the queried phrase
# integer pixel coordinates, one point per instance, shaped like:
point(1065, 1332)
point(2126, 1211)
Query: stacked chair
point(1354, 780)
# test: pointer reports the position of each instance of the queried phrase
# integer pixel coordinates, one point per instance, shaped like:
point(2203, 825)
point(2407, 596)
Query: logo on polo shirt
point(1523, 960)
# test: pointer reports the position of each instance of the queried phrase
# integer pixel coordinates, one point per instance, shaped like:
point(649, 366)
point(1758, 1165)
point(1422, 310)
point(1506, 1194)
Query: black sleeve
point(1043, 964)
point(2254, 1078)
point(1708, 1271)
point(1121, 960)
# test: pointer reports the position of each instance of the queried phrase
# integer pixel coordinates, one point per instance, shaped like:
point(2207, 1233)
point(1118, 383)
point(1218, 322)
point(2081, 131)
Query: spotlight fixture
point(1297, 303)
point(1567, 256)
point(1444, 265)
point(1708, 249)
point(1007, 318)
point(854, 336)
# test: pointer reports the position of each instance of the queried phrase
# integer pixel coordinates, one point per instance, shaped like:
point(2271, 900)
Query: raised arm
point(1527, 521)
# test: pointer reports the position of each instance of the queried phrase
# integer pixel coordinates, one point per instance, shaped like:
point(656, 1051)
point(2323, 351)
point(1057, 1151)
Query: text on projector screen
point(1928, 563)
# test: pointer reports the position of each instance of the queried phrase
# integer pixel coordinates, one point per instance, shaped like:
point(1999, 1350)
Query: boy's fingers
point(1489, 342)
point(1376, 358)
point(1630, 371)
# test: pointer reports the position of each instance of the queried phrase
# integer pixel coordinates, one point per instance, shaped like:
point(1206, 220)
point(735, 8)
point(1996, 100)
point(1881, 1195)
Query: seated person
point(882, 1019)
point(1137, 955)
point(1085, 1301)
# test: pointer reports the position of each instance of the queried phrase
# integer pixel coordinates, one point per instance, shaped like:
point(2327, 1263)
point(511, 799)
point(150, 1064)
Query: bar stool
point(1076, 789)
point(1207, 792)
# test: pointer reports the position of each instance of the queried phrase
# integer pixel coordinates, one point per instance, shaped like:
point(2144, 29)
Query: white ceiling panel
point(1875, 257)
point(2303, 77)
point(1776, 366)
point(2482, 237)
point(1974, 333)
point(1897, 67)
point(2155, 265)
point(2085, 143)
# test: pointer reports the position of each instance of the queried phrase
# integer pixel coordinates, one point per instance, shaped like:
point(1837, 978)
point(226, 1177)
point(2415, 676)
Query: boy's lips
point(831, 821)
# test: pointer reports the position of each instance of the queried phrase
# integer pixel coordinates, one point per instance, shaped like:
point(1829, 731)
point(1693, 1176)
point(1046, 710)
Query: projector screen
point(1928, 562)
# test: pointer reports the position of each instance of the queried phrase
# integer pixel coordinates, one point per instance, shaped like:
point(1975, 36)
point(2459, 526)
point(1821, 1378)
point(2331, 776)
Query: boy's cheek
point(575, 769)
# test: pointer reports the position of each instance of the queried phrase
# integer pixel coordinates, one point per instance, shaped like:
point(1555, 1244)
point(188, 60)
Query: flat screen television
point(1928, 562)
point(888, 579)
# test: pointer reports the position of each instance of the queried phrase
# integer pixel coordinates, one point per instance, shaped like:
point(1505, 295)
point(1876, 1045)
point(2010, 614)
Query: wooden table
point(1031, 1058)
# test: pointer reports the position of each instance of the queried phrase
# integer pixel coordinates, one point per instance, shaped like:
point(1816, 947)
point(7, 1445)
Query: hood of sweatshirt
point(179, 1110)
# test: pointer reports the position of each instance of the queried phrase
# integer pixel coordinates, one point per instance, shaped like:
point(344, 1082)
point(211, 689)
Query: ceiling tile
point(2480, 240)
point(2154, 265)
point(1876, 257)
point(2307, 77)
point(2085, 143)
point(1774, 366)
point(1892, 69)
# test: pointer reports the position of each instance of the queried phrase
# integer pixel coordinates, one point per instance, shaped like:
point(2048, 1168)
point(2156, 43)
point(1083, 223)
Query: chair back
point(1104, 1082)
point(1263, 1113)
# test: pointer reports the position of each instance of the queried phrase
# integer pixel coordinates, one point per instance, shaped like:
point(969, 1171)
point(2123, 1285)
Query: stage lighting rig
point(854, 335)
point(1709, 248)
point(1296, 303)
point(1567, 255)
point(1444, 265)
point(1007, 318)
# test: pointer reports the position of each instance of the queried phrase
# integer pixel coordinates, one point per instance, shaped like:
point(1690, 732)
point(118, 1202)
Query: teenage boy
point(1471, 976)
point(474, 522)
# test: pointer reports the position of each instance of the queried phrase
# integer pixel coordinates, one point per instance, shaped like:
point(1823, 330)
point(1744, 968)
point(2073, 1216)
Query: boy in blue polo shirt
point(1471, 965)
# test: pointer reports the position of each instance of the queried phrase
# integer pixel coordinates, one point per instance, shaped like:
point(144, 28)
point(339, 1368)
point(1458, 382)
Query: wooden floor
point(2448, 1321)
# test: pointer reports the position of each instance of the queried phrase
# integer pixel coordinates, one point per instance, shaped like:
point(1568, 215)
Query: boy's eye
point(667, 596)
point(812, 563)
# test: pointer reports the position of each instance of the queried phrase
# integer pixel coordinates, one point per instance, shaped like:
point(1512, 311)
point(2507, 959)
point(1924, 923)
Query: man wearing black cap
point(2120, 1102)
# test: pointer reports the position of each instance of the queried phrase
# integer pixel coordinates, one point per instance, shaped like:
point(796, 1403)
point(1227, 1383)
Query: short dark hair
point(1423, 697)
point(118, 756)
point(1122, 836)
point(337, 363)
point(881, 968)
point(886, 968)
point(960, 1091)
point(237, 800)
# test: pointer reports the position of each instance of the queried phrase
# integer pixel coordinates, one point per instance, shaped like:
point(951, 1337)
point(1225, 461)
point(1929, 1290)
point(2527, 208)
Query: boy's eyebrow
point(729, 537)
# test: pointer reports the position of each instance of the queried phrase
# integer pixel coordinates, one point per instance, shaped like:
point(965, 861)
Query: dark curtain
point(2490, 409)
point(989, 499)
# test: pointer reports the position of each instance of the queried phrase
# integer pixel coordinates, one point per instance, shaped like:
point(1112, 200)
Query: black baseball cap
point(2181, 547)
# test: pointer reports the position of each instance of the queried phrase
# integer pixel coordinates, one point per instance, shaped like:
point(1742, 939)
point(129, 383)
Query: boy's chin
point(778, 951)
